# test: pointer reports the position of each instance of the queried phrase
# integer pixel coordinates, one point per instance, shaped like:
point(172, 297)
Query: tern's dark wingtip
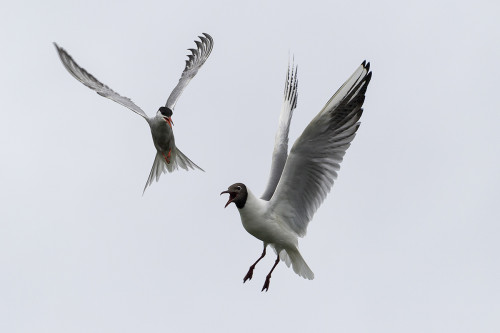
point(208, 36)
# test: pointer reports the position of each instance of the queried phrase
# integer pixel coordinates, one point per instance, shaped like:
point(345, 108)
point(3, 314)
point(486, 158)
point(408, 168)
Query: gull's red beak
point(232, 196)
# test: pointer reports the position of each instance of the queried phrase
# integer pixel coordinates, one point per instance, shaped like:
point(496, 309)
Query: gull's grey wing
point(280, 151)
point(193, 64)
point(315, 157)
point(90, 81)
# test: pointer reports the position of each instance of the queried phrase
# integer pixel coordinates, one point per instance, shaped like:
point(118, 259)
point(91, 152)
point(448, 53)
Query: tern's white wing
point(315, 158)
point(280, 152)
point(193, 64)
point(90, 81)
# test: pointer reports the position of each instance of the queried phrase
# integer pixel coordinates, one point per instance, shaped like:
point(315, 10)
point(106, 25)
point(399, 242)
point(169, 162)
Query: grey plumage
point(90, 81)
point(315, 157)
point(168, 156)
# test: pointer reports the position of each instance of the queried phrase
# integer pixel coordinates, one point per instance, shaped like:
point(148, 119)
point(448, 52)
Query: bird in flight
point(168, 156)
point(299, 182)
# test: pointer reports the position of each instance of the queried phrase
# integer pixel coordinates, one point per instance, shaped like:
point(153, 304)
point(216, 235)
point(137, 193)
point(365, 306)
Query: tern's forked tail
point(182, 161)
point(176, 160)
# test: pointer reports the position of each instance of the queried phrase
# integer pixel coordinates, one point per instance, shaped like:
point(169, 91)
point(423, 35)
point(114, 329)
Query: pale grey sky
point(408, 240)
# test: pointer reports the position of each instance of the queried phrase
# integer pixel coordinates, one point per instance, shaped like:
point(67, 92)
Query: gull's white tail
point(293, 257)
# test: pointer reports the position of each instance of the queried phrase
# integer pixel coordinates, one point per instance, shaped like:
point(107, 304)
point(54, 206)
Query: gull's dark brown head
point(238, 194)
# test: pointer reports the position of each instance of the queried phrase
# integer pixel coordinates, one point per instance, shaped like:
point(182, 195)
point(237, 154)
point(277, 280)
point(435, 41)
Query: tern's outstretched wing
point(193, 64)
point(315, 158)
point(90, 81)
point(280, 152)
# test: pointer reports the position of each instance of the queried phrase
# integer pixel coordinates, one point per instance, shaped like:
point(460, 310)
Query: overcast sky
point(407, 241)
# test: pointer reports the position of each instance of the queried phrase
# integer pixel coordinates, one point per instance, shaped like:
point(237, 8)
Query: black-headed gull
point(168, 156)
point(299, 182)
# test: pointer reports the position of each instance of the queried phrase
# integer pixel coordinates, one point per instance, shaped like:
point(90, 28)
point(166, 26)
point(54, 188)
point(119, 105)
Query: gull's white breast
point(259, 221)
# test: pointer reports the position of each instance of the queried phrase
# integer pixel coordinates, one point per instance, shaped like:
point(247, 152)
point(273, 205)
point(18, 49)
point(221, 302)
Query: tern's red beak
point(169, 121)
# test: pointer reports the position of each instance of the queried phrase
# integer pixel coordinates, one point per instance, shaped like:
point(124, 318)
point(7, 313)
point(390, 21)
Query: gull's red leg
point(268, 277)
point(250, 271)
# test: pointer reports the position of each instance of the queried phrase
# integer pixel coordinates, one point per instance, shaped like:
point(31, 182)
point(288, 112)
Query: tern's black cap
point(165, 111)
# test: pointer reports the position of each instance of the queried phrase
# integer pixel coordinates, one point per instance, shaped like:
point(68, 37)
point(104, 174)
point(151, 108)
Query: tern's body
point(168, 156)
point(299, 182)
point(163, 136)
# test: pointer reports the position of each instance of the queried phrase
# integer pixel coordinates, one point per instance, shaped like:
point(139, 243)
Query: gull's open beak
point(232, 196)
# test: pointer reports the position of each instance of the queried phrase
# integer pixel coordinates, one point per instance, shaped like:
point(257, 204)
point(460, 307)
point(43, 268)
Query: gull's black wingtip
point(366, 65)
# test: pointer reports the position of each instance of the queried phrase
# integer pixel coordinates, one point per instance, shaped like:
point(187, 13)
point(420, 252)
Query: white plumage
point(299, 182)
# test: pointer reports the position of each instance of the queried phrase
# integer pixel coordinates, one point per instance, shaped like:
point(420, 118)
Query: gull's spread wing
point(315, 158)
point(280, 152)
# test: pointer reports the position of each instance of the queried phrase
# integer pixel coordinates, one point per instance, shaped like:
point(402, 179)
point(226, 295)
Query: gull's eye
point(238, 188)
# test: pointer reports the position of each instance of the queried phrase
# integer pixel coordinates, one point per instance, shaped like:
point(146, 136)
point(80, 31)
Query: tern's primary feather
point(90, 81)
point(195, 60)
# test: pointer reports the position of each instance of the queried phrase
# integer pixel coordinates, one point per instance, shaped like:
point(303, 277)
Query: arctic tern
point(298, 183)
point(168, 156)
